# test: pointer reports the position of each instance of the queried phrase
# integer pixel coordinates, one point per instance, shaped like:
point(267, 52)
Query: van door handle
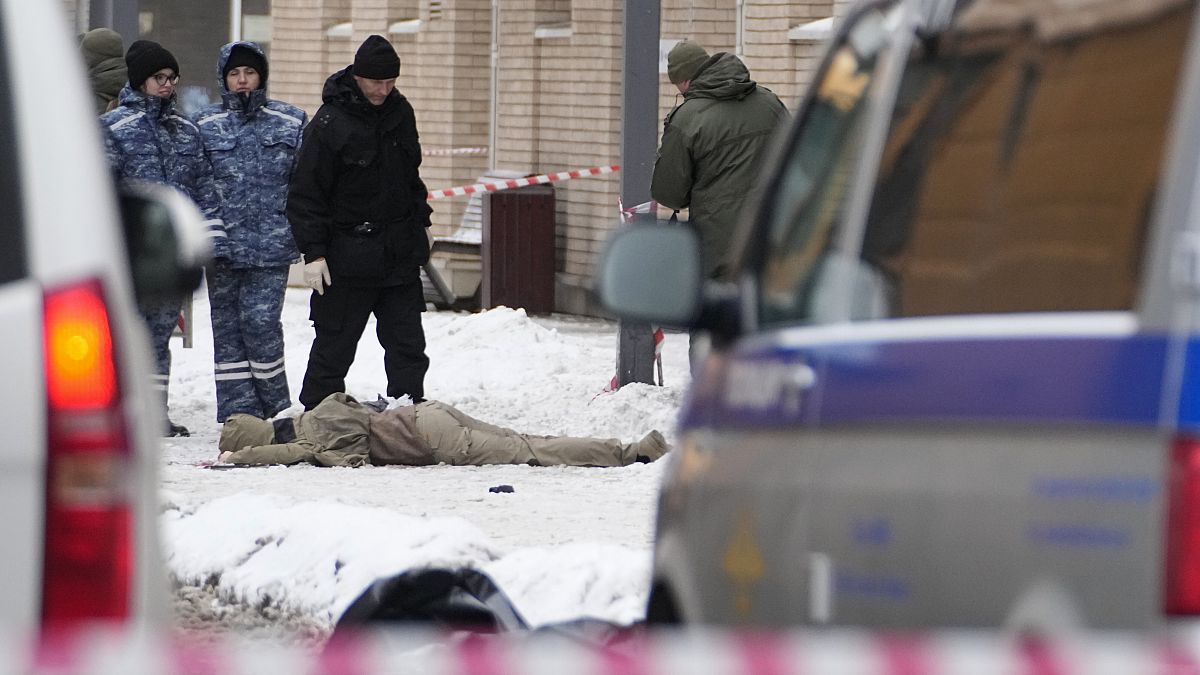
point(802, 377)
point(798, 380)
point(820, 588)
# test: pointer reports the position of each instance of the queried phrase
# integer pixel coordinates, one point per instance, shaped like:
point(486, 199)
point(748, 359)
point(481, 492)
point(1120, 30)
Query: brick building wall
point(300, 50)
point(559, 95)
point(560, 98)
point(445, 74)
point(559, 105)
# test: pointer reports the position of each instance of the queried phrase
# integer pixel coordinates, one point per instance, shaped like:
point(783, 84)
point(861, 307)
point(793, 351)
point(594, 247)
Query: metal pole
point(99, 13)
point(235, 20)
point(639, 136)
point(739, 47)
point(494, 87)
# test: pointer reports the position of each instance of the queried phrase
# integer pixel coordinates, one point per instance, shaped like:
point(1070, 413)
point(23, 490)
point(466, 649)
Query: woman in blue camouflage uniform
point(147, 140)
point(251, 142)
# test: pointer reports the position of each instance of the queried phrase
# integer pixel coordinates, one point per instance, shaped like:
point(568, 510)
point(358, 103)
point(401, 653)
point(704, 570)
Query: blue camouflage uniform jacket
point(252, 143)
point(147, 140)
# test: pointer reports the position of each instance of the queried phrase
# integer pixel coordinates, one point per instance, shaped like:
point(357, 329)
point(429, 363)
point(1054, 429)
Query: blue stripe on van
point(1115, 380)
point(1189, 395)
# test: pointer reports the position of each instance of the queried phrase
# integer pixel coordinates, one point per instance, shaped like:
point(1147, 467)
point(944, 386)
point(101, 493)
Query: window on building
point(552, 19)
point(404, 19)
point(256, 23)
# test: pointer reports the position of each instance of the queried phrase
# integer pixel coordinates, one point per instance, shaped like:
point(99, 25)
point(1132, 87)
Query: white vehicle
point(79, 425)
point(957, 380)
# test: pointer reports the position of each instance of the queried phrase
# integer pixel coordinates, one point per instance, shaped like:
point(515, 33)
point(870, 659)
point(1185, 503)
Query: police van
point(955, 379)
point(79, 423)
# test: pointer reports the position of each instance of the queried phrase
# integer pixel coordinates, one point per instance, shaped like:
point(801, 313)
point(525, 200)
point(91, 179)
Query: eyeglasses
point(161, 79)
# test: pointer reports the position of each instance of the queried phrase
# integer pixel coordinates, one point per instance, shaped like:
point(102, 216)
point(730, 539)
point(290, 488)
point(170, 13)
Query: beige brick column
point(444, 74)
point(300, 51)
point(369, 17)
point(780, 64)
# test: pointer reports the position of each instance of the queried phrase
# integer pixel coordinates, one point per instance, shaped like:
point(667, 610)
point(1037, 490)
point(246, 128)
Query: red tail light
point(88, 556)
point(1181, 587)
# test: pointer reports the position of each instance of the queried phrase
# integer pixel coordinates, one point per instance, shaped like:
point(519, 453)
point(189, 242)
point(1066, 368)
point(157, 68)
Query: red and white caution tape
point(659, 339)
point(836, 652)
point(448, 152)
point(627, 214)
point(521, 182)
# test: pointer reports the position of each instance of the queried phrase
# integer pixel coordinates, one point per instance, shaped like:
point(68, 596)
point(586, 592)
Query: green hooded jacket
point(105, 58)
point(712, 146)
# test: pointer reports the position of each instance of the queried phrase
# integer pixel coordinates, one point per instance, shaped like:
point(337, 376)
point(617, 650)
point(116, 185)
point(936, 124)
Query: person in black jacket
point(358, 211)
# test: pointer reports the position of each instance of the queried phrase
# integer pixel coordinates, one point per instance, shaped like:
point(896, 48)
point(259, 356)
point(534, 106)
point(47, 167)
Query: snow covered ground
point(303, 540)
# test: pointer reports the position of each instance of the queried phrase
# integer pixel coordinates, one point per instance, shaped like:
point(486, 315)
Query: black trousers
point(339, 318)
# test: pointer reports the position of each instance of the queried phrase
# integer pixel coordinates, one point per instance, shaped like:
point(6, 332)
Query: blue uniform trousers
point(246, 305)
point(161, 319)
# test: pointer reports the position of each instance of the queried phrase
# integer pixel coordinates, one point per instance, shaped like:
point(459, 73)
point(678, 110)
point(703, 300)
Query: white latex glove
point(316, 275)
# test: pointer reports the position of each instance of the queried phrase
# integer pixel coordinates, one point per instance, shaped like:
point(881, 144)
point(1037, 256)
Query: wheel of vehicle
point(661, 609)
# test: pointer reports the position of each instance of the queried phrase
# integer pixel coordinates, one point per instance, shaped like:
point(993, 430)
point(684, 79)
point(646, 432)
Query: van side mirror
point(652, 273)
point(166, 241)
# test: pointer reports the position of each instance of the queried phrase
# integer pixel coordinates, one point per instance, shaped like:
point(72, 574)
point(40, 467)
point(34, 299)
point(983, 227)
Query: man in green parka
point(340, 431)
point(105, 58)
point(712, 146)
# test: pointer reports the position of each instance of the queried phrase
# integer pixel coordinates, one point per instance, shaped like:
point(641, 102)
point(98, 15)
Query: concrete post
point(639, 138)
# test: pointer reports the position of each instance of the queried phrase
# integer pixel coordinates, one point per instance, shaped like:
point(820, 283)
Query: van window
point(806, 208)
point(1021, 163)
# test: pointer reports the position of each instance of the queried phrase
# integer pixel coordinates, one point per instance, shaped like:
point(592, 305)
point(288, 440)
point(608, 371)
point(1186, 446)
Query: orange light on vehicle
point(88, 555)
point(79, 358)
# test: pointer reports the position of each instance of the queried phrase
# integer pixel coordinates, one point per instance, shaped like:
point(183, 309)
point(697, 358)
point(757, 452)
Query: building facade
point(537, 83)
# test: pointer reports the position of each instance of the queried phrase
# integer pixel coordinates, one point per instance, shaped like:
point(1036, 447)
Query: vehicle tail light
point(88, 555)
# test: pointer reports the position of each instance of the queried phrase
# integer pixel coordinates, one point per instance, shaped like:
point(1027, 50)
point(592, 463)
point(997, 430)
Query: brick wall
point(444, 73)
point(559, 109)
point(559, 97)
point(300, 51)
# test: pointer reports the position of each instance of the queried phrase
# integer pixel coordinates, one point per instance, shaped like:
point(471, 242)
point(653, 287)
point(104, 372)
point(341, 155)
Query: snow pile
point(313, 557)
point(603, 581)
point(568, 542)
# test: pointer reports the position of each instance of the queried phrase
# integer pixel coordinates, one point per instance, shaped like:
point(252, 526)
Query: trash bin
point(518, 249)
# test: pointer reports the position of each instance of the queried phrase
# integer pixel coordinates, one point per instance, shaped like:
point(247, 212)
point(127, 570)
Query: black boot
point(176, 430)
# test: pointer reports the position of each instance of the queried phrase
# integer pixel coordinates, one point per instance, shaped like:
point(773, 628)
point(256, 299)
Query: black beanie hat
point(376, 59)
point(243, 55)
point(145, 58)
